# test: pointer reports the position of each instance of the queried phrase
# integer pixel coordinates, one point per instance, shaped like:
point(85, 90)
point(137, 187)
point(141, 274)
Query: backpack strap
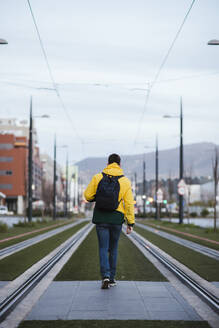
point(115, 176)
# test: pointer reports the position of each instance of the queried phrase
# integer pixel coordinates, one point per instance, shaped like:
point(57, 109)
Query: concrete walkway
point(3, 283)
point(128, 300)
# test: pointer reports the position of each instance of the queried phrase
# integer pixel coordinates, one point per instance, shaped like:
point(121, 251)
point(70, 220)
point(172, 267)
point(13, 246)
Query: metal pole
point(30, 165)
point(79, 199)
point(75, 201)
point(181, 210)
point(54, 181)
point(135, 185)
point(144, 189)
point(215, 174)
point(156, 178)
point(66, 188)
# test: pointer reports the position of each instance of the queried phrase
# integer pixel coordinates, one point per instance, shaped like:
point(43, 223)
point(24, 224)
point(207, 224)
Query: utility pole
point(54, 181)
point(30, 165)
point(79, 191)
point(66, 188)
point(181, 210)
point(135, 179)
point(156, 178)
point(216, 178)
point(144, 188)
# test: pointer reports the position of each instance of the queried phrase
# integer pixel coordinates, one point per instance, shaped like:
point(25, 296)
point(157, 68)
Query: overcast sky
point(102, 55)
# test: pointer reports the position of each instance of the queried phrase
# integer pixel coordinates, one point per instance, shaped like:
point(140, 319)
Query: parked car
point(3, 209)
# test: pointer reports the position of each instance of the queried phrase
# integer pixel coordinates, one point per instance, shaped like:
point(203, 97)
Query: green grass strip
point(131, 264)
point(14, 265)
point(113, 324)
point(188, 228)
point(203, 265)
point(20, 230)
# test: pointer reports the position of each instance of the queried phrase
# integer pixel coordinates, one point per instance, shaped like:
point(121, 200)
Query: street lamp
point(55, 178)
point(2, 41)
point(30, 161)
point(157, 179)
point(181, 211)
point(41, 116)
point(213, 42)
point(66, 182)
point(157, 215)
point(73, 188)
point(66, 187)
point(144, 187)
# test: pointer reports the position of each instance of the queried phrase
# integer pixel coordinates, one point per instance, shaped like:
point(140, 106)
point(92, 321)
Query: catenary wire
point(150, 84)
point(172, 44)
point(140, 121)
point(98, 84)
point(51, 74)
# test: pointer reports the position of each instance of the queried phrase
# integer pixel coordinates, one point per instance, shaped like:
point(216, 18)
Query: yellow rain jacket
point(126, 205)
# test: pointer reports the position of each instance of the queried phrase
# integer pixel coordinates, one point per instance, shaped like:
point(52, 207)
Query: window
point(6, 146)
point(6, 159)
point(5, 186)
point(5, 172)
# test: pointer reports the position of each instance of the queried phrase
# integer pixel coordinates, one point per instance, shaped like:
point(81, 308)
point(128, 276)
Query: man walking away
point(112, 192)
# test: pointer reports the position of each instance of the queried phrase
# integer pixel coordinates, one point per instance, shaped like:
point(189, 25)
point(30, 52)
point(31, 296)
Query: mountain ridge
point(197, 162)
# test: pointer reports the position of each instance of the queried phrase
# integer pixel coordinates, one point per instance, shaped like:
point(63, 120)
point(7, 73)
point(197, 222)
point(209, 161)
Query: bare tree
point(216, 178)
point(47, 193)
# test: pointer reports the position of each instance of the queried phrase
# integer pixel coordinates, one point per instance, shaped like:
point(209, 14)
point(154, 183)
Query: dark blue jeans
point(108, 238)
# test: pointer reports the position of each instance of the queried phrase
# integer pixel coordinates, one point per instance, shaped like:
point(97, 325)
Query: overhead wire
point(151, 85)
point(188, 77)
point(51, 74)
point(96, 85)
point(172, 44)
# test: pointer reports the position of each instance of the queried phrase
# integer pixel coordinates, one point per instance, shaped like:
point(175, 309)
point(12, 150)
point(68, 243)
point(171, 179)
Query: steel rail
point(10, 302)
point(207, 296)
point(10, 250)
point(213, 253)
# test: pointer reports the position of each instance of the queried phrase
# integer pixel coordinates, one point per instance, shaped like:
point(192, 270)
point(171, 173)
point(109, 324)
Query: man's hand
point(129, 229)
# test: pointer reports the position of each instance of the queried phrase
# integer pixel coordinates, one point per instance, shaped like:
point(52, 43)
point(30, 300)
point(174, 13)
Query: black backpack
point(107, 193)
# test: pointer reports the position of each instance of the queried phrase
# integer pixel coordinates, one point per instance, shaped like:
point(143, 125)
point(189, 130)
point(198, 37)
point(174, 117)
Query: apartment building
point(13, 171)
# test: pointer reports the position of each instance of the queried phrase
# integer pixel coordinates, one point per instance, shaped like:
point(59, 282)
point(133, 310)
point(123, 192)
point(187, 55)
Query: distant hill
point(197, 162)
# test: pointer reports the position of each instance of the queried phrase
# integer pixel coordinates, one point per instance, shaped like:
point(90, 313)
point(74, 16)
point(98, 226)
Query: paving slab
point(3, 283)
point(84, 300)
point(216, 283)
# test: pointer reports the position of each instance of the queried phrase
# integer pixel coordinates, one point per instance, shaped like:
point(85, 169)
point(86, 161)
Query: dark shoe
point(105, 283)
point(112, 282)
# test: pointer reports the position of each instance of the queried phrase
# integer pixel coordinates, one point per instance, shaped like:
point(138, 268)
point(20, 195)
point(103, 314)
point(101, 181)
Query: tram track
point(213, 253)
point(201, 287)
point(8, 303)
point(10, 250)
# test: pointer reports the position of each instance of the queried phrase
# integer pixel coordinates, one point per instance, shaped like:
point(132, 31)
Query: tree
point(47, 193)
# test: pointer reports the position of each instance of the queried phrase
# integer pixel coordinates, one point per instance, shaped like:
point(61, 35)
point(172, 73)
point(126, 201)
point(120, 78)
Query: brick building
point(14, 172)
point(13, 168)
